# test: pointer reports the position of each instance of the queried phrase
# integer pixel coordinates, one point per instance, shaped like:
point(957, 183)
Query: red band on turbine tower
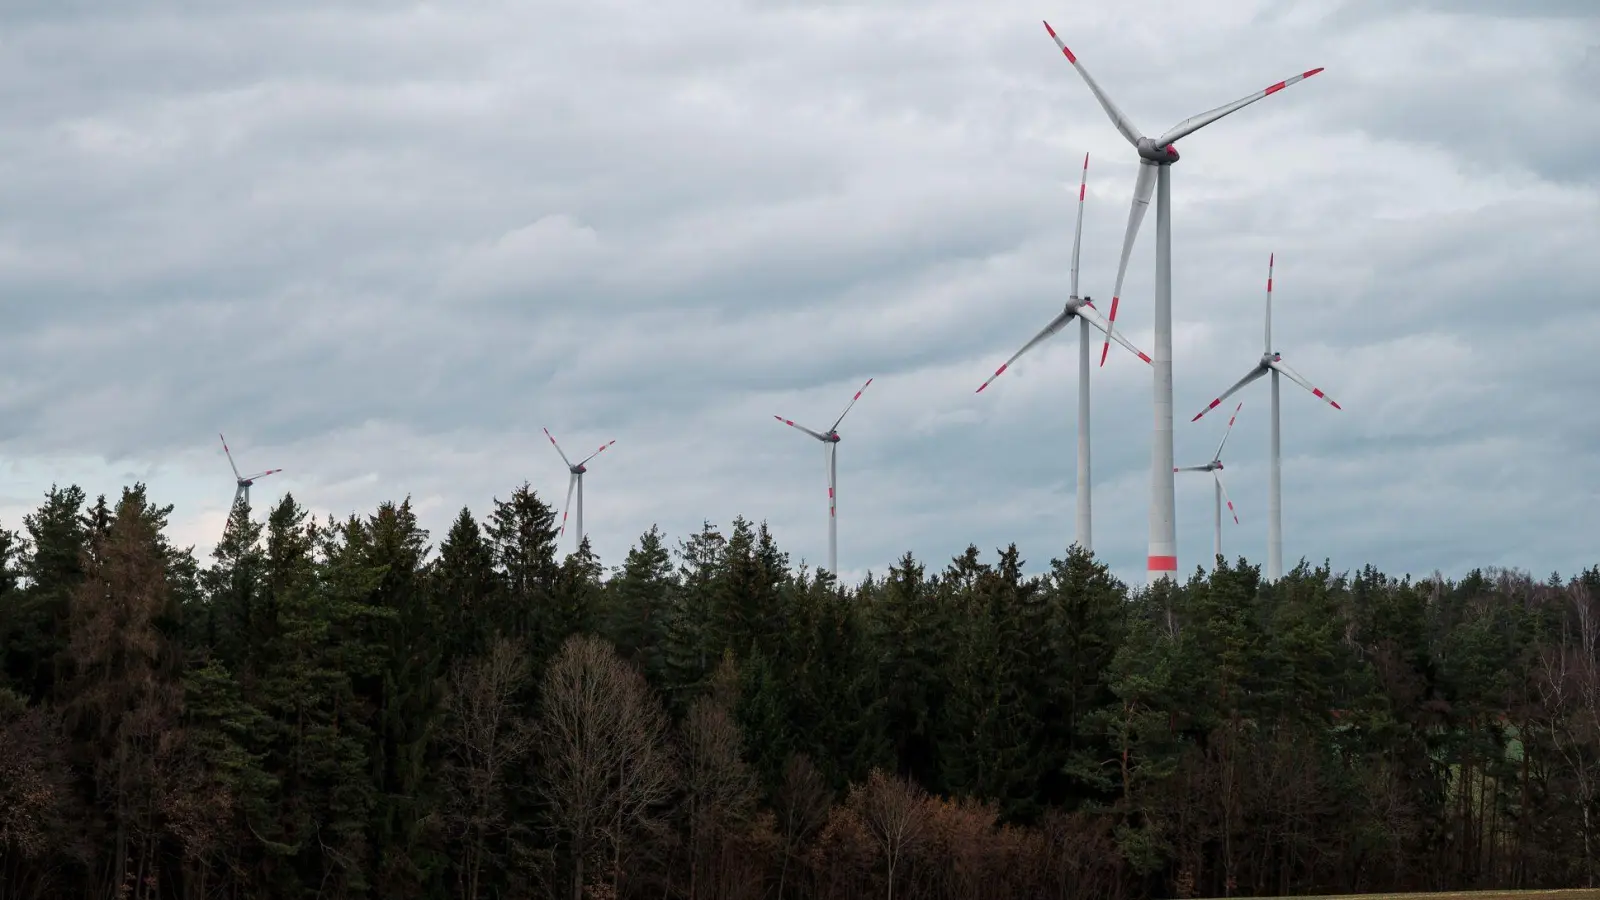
point(1162, 564)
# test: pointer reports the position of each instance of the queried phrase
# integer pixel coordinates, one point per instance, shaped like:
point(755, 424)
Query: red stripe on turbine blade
point(1335, 404)
point(1312, 72)
point(1114, 302)
point(1104, 351)
point(1162, 563)
point(1081, 189)
point(1145, 358)
point(1317, 392)
point(1274, 89)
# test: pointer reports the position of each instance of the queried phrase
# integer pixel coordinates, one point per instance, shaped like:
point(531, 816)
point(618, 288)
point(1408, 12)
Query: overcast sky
point(381, 244)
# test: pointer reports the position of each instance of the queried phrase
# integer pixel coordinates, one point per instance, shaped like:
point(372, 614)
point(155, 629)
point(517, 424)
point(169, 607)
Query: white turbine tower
point(574, 480)
point(831, 438)
point(242, 482)
point(1083, 310)
point(1156, 157)
point(1272, 361)
point(1221, 493)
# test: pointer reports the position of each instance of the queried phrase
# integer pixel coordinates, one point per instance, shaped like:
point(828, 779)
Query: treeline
point(337, 709)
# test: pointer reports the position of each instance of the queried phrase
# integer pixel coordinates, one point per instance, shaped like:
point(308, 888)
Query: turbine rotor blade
point(1227, 431)
point(262, 474)
point(1195, 123)
point(597, 452)
point(572, 482)
point(1255, 373)
point(1077, 231)
point(1142, 189)
point(1226, 499)
point(1093, 317)
point(1296, 377)
point(558, 447)
point(1123, 123)
point(802, 428)
point(1192, 469)
point(1055, 325)
point(833, 501)
point(850, 404)
point(229, 454)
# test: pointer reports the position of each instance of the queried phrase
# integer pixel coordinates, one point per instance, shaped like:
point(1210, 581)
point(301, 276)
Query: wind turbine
point(243, 482)
point(831, 438)
point(575, 480)
point(1215, 468)
point(1083, 310)
point(1272, 361)
point(1156, 157)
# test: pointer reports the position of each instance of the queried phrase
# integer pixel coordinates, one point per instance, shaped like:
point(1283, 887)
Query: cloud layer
point(380, 245)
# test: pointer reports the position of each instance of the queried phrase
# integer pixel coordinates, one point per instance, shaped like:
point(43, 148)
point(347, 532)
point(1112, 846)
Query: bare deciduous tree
point(608, 765)
point(895, 814)
point(486, 739)
point(719, 788)
point(801, 805)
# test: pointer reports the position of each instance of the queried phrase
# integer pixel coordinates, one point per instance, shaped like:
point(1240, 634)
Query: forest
point(345, 709)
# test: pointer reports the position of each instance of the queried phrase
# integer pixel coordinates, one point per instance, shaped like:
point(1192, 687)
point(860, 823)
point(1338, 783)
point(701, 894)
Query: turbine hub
point(579, 470)
point(832, 437)
point(1216, 464)
point(1076, 303)
point(1161, 156)
point(1267, 359)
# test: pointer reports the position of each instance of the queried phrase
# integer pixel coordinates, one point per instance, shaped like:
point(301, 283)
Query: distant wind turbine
point(1221, 493)
point(831, 438)
point(1083, 310)
point(1156, 157)
point(1272, 361)
point(574, 480)
point(242, 482)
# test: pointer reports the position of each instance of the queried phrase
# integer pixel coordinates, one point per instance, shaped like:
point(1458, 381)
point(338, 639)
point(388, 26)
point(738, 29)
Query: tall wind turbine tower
point(1156, 157)
point(1083, 310)
point(1220, 492)
point(574, 480)
point(1272, 361)
point(242, 482)
point(831, 439)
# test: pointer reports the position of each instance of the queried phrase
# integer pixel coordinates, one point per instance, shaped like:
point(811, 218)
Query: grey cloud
point(382, 245)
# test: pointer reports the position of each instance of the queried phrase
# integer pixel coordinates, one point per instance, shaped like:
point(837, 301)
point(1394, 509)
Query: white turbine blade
point(1055, 325)
point(833, 489)
point(1295, 377)
point(1142, 189)
point(802, 428)
point(262, 474)
point(229, 454)
point(1195, 123)
point(597, 452)
point(1227, 431)
point(572, 482)
point(1077, 231)
point(1217, 474)
point(1093, 317)
point(1123, 123)
point(850, 404)
point(1255, 373)
point(558, 447)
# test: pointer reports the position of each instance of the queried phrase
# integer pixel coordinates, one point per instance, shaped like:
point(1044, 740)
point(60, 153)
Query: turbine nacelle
point(578, 469)
point(831, 437)
point(1160, 155)
point(1076, 303)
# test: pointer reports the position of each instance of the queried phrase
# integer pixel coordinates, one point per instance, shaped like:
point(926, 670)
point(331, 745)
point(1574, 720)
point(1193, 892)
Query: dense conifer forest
point(353, 708)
